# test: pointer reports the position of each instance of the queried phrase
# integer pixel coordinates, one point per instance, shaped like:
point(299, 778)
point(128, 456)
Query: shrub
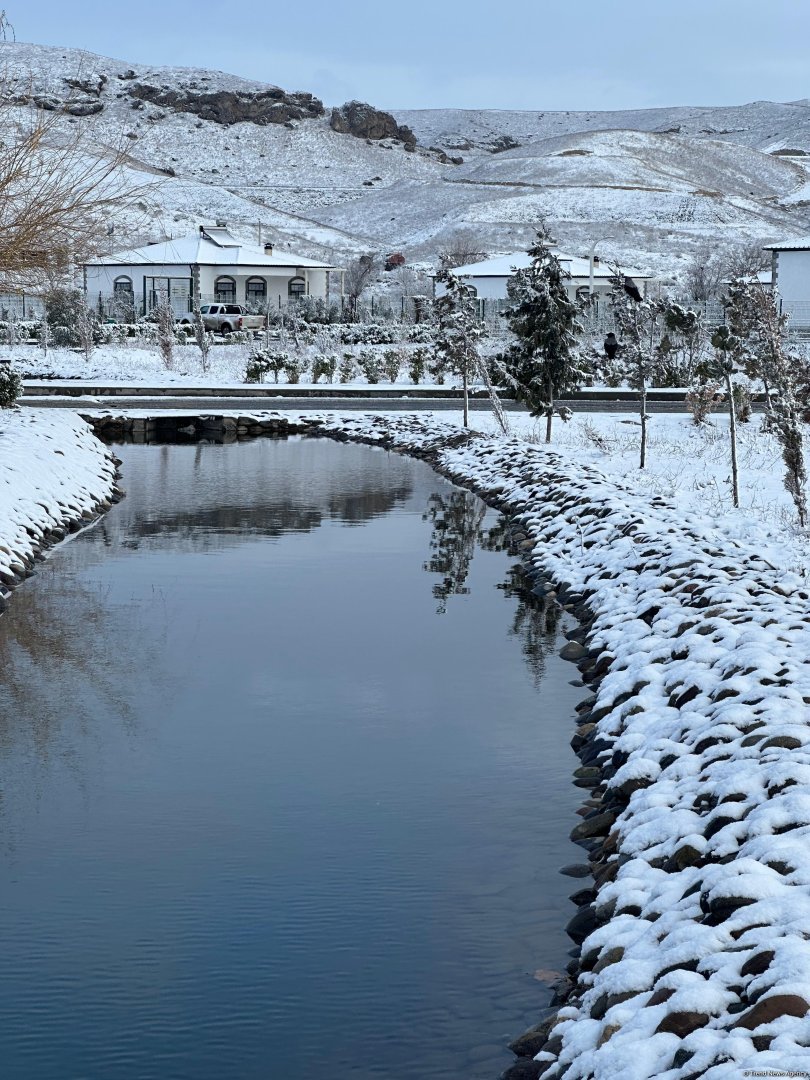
point(742, 403)
point(294, 366)
point(326, 366)
point(262, 362)
point(391, 361)
point(700, 401)
point(417, 365)
point(10, 386)
point(370, 365)
point(348, 369)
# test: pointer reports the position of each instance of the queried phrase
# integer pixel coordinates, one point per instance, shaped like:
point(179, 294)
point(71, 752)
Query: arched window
point(255, 290)
point(122, 285)
point(296, 288)
point(225, 290)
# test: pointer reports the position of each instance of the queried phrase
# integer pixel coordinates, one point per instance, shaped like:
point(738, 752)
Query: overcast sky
point(522, 54)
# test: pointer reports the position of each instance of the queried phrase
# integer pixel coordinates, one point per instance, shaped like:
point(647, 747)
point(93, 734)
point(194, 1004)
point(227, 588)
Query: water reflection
point(250, 779)
point(458, 530)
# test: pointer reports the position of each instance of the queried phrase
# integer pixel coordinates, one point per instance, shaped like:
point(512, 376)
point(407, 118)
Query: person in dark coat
point(611, 346)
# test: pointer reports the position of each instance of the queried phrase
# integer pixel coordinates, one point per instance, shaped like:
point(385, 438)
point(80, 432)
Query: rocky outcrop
point(362, 120)
point(270, 106)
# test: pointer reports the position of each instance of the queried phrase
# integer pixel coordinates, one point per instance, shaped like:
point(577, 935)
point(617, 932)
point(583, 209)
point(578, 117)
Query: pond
point(286, 782)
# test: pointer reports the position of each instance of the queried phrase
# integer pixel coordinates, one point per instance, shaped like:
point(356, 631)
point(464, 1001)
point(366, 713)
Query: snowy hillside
point(660, 183)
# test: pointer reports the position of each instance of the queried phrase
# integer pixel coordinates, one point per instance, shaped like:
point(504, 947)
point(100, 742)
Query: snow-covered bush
point(417, 364)
point(295, 368)
point(262, 362)
point(701, 399)
point(10, 386)
point(326, 366)
point(370, 365)
point(348, 369)
point(391, 361)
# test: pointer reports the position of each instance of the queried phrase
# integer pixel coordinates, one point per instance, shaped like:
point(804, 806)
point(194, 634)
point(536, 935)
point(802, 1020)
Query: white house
point(489, 278)
point(790, 275)
point(208, 265)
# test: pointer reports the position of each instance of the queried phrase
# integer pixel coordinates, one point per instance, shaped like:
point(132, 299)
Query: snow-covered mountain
point(659, 183)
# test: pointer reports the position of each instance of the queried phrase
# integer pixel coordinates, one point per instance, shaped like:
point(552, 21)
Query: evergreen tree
point(546, 359)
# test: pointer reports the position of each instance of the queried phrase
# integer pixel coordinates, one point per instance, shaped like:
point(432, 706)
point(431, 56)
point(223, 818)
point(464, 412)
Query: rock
point(771, 1008)
point(598, 825)
point(659, 997)
point(362, 120)
point(606, 1001)
point(610, 956)
point(83, 108)
point(607, 1033)
point(576, 870)
point(533, 1040)
point(685, 856)
point(572, 650)
point(788, 742)
point(582, 924)
point(682, 1023)
point(526, 1069)
point(267, 106)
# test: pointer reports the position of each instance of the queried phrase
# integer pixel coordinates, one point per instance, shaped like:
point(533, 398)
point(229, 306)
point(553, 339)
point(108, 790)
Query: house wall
point(792, 283)
point(494, 288)
point(99, 282)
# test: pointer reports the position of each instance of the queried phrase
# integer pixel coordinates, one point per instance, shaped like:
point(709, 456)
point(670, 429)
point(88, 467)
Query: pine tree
point(458, 331)
point(546, 358)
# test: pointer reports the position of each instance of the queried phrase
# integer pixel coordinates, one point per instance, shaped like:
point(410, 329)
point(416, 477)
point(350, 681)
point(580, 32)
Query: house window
point(122, 286)
point(296, 288)
point(255, 290)
point(225, 290)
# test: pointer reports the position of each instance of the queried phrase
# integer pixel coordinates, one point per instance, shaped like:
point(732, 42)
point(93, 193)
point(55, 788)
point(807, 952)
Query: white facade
point(490, 277)
point(207, 266)
point(790, 269)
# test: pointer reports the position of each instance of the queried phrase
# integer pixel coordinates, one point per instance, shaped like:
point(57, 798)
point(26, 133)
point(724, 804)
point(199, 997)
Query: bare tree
point(202, 338)
point(86, 326)
point(58, 195)
point(6, 28)
point(704, 274)
point(164, 315)
point(462, 248)
point(746, 260)
point(357, 279)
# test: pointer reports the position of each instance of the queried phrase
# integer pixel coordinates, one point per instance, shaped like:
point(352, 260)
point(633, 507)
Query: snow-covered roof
point(505, 266)
point(801, 243)
point(209, 247)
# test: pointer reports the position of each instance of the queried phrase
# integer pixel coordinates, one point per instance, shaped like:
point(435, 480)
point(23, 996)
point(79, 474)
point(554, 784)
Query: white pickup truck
point(225, 318)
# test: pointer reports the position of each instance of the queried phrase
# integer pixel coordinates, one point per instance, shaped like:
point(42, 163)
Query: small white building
point(206, 266)
point(790, 277)
point(490, 277)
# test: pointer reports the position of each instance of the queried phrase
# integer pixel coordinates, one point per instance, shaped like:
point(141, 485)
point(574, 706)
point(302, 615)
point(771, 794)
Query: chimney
point(268, 249)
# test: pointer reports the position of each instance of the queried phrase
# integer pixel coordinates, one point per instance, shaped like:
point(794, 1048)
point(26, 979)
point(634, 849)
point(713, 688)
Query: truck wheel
point(225, 329)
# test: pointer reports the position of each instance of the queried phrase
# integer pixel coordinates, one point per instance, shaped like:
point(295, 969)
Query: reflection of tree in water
point(66, 653)
point(457, 518)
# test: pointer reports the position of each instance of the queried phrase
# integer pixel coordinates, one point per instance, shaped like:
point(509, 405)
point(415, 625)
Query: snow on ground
point(54, 474)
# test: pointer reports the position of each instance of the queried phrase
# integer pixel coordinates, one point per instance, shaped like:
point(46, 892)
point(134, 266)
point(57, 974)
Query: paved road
point(115, 403)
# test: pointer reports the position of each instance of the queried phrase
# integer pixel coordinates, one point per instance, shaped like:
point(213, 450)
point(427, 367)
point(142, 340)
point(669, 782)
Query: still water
point(285, 780)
